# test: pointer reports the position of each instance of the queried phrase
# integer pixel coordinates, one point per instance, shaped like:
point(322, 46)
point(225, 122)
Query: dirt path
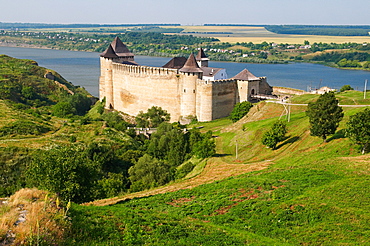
point(215, 170)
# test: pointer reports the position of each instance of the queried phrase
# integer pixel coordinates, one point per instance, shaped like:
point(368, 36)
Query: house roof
point(176, 62)
point(210, 71)
point(245, 75)
point(201, 55)
point(120, 48)
point(191, 65)
point(130, 63)
point(109, 53)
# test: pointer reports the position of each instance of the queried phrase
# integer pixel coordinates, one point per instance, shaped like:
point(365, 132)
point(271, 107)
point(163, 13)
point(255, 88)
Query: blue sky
point(187, 12)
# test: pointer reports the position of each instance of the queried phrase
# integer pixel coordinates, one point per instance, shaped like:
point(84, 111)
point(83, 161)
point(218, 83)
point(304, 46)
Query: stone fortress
point(186, 88)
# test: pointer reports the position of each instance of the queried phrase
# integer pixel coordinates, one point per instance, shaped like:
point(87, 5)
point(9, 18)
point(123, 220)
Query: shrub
point(63, 110)
point(240, 110)
point(183, 170)
point(275, 135)
point(346, 88)
point(23, 127)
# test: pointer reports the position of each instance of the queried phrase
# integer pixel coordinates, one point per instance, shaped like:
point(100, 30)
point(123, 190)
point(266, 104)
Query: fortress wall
point(137, 88)
point(242, 92)
point(265, 88)
point(253, 89)
point(224, 97)
point(204, 98)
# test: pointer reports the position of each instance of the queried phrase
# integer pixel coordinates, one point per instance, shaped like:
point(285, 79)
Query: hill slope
point(311, 193)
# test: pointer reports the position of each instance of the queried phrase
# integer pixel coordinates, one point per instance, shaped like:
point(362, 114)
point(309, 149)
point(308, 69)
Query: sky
point(187, 12)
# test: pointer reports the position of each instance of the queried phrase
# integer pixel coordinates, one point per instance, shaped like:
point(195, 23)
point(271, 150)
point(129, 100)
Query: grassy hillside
point(312, 193)
point(305, 192)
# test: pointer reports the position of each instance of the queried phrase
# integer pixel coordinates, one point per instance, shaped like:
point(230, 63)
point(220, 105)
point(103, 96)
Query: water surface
point(82, 68)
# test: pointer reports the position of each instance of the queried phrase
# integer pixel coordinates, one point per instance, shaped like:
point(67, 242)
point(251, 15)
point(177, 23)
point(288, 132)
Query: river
point(82, 68)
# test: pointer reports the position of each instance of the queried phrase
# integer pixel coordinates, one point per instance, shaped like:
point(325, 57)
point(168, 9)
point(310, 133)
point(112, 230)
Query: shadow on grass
point(221, 155)
point(339, 134)
point(288, 141)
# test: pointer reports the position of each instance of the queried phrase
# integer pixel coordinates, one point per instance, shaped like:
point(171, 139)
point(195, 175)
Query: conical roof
point(109, 53)
point(120, 48)
point(201, 55)
point(176, 62)
point(245, 75)
point(191, 66)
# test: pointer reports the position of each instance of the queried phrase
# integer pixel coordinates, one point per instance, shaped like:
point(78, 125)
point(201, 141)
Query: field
point(260, 34)
point(231, 34)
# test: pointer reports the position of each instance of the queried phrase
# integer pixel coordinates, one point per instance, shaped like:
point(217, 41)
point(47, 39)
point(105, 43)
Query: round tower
point(192, 73)
point(106, 76)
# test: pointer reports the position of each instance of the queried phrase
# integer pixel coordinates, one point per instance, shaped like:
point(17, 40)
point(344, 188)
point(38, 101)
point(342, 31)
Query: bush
point(23, 127)
point(346, 88)
point(148, 172)
point(275, 135)
point(240, 110)
point(183, 170)
point(66, 171)
point(63, 110)
point(153, 117)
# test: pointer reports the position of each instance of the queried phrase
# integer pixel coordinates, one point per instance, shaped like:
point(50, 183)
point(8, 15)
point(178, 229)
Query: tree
point(324, 115)
point(239, 110)
point(66, 171)
point(152, 118)
point(358, 129)
point(148, 172)
point(346, 88)
point(81, 103)
point(204, 148)
point(63, 109)
point(275, 135)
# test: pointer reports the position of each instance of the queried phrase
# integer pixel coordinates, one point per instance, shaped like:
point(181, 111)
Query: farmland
point(257, 34)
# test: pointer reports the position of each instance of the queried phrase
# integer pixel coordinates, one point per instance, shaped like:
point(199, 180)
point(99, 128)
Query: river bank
point(83, 69)
point(212, 56)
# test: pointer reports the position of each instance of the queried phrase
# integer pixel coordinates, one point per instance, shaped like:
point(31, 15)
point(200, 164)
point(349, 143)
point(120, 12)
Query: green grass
point(353, 98)
point(315, 194)
point(345, 98)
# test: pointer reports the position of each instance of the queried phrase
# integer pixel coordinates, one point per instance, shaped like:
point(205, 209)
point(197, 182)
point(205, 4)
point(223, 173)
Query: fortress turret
point(202, 59)
point(106, 76)
point(121, 50)
point(189, 85)
point(116, 52)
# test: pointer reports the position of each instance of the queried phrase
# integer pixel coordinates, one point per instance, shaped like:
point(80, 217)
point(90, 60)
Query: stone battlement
point(143, 69)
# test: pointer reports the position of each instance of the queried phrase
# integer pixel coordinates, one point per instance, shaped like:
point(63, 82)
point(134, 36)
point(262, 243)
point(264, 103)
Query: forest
point(85, 151)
